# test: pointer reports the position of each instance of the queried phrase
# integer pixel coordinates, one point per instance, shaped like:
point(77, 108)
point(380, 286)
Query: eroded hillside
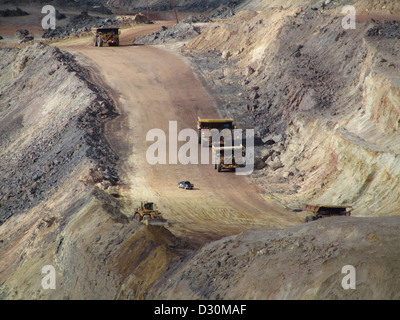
point(325, 106)
point(58, 180)
point(302, 262)
point(324, 100)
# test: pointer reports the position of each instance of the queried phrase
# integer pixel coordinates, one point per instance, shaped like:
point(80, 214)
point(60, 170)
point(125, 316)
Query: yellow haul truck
point(225, 158)
point(105, 35)
point(214, 126)
point(323, 211)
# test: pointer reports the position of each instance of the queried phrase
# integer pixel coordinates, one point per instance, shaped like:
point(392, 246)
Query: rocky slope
point(48, 127)
point(324, 102)
point(59, 187)
point(382, 6)
point(105, 6)
point(325, 105)
point(303, 262)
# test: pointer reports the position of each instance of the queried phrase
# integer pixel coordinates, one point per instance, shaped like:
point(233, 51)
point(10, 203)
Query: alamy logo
point(229, 149)
point(49, 21)
point(349, 281)
point(49, 280)
point(349, 21)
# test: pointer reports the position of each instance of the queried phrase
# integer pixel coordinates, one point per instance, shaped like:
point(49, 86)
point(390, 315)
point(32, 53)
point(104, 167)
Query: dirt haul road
point(152, 86)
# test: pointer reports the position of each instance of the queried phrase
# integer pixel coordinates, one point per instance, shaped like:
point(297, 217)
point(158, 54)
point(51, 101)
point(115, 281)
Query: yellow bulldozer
point(108, 36)
point(149, 215)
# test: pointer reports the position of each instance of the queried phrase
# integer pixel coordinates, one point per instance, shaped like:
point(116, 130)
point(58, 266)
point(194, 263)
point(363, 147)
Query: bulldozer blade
point(155, 222)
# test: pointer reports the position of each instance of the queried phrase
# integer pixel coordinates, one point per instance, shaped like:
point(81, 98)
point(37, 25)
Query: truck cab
point(106, 35)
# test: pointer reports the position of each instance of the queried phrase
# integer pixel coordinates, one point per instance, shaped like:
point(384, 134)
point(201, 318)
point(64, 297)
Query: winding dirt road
point(151, 87)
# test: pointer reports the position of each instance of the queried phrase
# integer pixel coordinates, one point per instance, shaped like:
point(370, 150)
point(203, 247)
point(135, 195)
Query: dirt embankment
point(302, 262)
point(325, 106)
point(362, 6)
point(181, 5)
point(324, 102)
point(58, 202)
point(161, 7)
point(50, 124)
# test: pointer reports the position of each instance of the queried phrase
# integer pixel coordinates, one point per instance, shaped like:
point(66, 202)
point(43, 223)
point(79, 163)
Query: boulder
point(274, 163)
point(226, 54)
point(13, 13)
point(217, 74)
point(140, 18)
point(266, 154)
point(28, 38)
point(21, 33)
point(253, 96)
point(249, 71)
point(259, 164)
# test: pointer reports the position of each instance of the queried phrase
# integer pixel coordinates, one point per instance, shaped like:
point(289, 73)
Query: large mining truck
point(225, 157)
point(105, 35)
point(323, 211)
point(214, 126)
point(148, 215)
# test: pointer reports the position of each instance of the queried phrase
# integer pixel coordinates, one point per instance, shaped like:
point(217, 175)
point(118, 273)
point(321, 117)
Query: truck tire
point(100, 42)
point(309, 219)
point(95, 41)
point(137, 217)
point(219, 168)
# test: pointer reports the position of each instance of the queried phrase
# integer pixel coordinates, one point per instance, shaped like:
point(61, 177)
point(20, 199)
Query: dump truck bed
point(200, 122)
point(219, 149)
point(334, 208)
point(325, 211)
point(227, 120)
point(95, 30)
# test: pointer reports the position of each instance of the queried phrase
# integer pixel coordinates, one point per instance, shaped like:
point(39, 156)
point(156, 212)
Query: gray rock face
point(49, 154)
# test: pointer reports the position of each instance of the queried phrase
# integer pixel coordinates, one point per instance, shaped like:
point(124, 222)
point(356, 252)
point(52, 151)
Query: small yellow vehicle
point(148, 215)
point(108, 36)
point(323, 211)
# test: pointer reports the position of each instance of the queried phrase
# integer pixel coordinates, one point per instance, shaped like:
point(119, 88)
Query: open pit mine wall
point(134, 5)
point(50, 124)
point(56, 169)
point(387, 6)
point(333, 94)
point(361, 5)
point(301, 262)
point(237, 5)
point(181, 5)
point(354, 159)
point(50, 127)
